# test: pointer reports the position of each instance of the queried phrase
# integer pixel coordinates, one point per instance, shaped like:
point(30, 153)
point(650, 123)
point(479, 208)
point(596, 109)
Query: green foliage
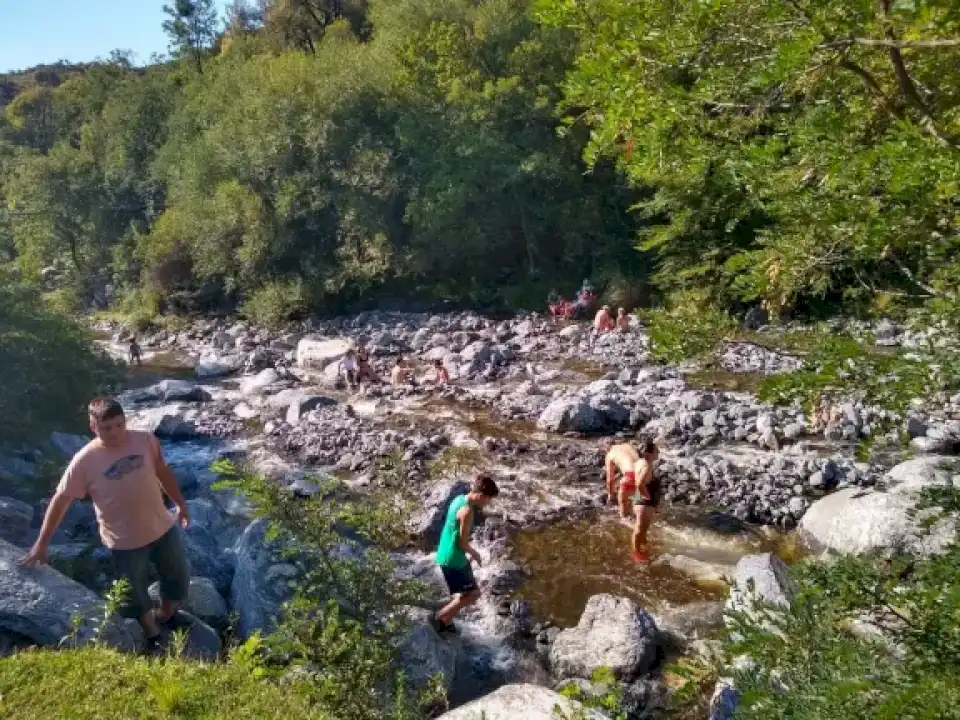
point(808, 662)
point(605, 695)
point(790, 151)
point(51, 368)
point(687, 332)
point(94, 682)
point(275, 303)
point(342, 628)
point(840, 366)
point(191, 27)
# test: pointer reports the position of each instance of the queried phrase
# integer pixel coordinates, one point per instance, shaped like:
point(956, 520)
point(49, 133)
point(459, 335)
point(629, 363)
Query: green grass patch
point(101, 683)
point(455, 461)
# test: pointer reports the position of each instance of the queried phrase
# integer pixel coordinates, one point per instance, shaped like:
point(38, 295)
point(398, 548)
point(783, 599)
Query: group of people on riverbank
point(355, 369)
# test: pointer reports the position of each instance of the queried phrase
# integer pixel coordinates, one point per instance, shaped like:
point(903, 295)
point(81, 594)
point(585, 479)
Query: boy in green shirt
point(455, 547)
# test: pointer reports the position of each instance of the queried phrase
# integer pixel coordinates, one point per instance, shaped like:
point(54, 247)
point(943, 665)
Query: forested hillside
point(317, 154)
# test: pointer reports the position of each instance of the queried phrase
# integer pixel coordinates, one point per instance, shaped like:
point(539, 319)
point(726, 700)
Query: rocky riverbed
point(533, 402)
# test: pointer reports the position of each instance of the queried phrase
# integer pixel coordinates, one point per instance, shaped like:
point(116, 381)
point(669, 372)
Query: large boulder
point(853, 521)
point(15, 519)
point(613, 633)
point(209, 368)
point(207, 558)
point(257, 384)
point(762, 578)
point(203, 601)
point(68, 445)
point(40, 604)
point(423, 654)
point(526, 702)
point(179, 391)
point(173, 427)
point(914, 475)
point(260, 582)
point(318, 353)
point(427, 523)
point(584, 414)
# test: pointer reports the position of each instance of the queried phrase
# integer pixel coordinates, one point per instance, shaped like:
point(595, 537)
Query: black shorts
point(655, 490)
point(459, 580)
point(168, 556)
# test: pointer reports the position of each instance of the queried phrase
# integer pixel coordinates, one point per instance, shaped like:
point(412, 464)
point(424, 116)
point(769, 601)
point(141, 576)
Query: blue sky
point(44, 31)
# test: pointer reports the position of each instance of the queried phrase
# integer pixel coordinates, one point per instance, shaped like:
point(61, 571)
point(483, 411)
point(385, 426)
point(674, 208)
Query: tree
point(800, 150)
point(192, 28)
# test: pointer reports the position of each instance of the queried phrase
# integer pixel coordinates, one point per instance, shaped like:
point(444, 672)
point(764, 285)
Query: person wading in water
point(455, 551)
point(638, 487)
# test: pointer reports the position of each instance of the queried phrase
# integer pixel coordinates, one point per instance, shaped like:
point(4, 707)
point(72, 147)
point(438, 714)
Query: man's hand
point(36, 556)
point(183, 515)
point(476, 557)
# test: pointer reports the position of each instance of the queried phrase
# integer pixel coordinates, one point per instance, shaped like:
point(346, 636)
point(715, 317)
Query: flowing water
point(569, 562)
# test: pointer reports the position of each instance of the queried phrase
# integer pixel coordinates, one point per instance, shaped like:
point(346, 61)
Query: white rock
point(318, 353)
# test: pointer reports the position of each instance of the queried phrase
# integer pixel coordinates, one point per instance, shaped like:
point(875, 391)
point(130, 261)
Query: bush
point(809, 663)
point(687, 332)
point(342, 628)
point(92, 683)
point(51, 368)
point(275, 303)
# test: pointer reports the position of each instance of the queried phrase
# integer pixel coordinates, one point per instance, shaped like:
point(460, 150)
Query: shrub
point(51, 368)
point(687, 332)
point(274, 303)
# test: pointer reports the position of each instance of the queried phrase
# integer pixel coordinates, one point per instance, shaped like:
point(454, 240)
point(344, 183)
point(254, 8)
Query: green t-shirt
point(449, 553)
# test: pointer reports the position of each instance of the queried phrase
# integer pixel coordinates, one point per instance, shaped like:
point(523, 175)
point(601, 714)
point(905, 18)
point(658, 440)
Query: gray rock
point(723, 702)
point(68, 445)
point(793, 431)
point(303, 404)
point(916, 427)
point(207, 558)
point(765, 578)
point(319, 353)
point(203, 601)
point(214, 368)
point(16, 468)
point(39, 603)
point(698, 401)
point(613, 633)
point(526, 702)
point(245, 412)
point(853, 521)
point(257, 384)
point(15, 519)
point(681, 624)
point(591, 414)
point(255, 599)
point(914, 475)
point(423, 654)
point(179, 391)
point(202, 641)
point(173, 427)
point(427, 523)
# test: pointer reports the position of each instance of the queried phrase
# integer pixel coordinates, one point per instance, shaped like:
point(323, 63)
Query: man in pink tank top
point(124, 474)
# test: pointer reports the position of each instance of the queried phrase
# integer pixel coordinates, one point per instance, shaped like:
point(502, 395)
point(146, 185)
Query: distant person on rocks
point(441, 376)
point(603, 322)
point(350, 369)
point(401, 373)
point(553, 297)
point(133, 351)
point(124, 473)
point(455, 551)
point(365, 370)
point(638, 487)
point(623, 320)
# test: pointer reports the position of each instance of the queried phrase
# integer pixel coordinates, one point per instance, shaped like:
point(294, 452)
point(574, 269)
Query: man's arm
point(59, 504)
point(168, 481)
point(465, 516)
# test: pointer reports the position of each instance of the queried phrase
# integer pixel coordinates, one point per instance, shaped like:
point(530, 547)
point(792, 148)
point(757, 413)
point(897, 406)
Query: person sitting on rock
point(365, 370)
point(401, 373)
point(454, 551)
point(603, 322)
point(133, 351)
point(441, 376)
point(637, 487)
point(623, 320)
point(124, 473)
point(350, 369)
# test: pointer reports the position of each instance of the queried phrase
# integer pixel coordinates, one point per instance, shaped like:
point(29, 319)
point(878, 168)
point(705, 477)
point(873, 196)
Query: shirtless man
point(441, 376)
point(350, 369)
point(603, 322)
point(623, 320)
point(637, 485)
point(401, 373)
